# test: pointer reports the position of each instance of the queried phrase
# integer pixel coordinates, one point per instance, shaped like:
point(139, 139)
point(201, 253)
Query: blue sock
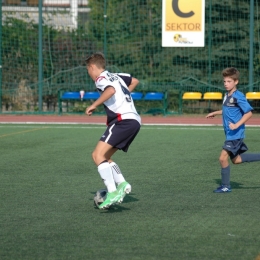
point(225, 176)
point(250, 157)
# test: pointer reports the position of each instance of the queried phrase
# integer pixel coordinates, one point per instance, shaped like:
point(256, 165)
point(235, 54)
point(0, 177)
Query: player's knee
point(94, 156)
point(220, 159)
point(233, 161)
point(97, 157)
point(236, 160)
point(223, 159)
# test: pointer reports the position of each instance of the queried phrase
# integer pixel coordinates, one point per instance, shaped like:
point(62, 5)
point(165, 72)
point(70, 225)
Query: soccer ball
point(100, 197)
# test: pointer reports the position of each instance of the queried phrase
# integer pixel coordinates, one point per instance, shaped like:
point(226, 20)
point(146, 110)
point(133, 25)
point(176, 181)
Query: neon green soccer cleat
point(123, 189)
point(112, 198)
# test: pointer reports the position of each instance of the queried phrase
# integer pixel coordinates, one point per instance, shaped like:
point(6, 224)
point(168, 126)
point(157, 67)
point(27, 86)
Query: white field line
point(103, 124)
point(144, 127)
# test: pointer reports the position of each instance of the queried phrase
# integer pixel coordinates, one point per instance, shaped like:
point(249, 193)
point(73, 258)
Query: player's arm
point(213, 114)
point(244, 118)
point(133, 84)
point(246, 108)
point(108, 93)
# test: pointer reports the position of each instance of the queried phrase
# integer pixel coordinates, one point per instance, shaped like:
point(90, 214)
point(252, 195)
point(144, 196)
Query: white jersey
point(120, 106)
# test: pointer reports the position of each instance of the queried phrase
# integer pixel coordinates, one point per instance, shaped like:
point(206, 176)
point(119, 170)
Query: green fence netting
point(129, 34)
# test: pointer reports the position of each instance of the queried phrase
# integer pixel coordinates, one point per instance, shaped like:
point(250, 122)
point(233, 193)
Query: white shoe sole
point(128, 188)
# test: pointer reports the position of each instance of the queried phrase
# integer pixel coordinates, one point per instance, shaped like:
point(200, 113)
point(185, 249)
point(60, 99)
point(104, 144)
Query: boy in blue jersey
point(123, 124)
point(235, 113)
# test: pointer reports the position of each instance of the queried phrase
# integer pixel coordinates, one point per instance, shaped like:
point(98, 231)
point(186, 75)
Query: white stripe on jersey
point(124, 74)
point(110, 133)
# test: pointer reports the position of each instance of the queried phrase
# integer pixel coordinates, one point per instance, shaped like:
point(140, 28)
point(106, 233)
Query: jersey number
point(127, 93)
point(112, 77)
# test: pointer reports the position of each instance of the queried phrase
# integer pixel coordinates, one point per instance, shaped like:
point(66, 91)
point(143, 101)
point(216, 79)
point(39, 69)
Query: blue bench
point(70, 96)
point(74, 96)
point(137, 95)
point(91, 95)
point(152, 96)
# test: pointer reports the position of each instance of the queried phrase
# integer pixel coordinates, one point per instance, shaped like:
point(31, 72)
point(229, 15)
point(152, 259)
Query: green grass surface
point(48, 181)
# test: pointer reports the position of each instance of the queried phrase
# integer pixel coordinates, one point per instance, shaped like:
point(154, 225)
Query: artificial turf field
point(48, 180)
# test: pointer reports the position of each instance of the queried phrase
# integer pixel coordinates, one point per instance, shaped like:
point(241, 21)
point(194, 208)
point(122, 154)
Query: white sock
point(105, 172)
point(117, 174)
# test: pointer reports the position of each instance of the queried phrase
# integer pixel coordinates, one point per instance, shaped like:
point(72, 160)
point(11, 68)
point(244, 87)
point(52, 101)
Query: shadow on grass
point(128, 198)
point(117, 207)
point(114, 209)
point(236, 185)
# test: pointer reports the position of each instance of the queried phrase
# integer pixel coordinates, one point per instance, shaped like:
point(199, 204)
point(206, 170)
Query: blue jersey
point(233, 109)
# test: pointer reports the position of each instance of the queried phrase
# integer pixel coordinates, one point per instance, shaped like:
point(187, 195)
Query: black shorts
point(121, 134)
point(235, 147)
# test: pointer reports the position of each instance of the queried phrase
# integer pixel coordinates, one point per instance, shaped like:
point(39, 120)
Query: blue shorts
point(235, 147)
point(121, 134)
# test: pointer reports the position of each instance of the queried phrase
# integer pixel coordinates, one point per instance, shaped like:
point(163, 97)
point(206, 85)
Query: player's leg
point(121, 135)
point(225, 172)
point(237, 159)
point(223, 158)
point(123, 187)
point(103, 151)
point(104, 169)
point(117, 174)
point(239, 153)
point(100, 157)
point(246, 157)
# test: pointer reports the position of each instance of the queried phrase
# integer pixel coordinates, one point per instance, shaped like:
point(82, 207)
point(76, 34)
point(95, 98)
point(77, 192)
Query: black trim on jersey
point(111, 116)
point(126, 79)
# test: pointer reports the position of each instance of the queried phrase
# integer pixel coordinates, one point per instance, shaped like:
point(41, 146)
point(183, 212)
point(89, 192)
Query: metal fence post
point(105, 28)
point(210, 40)
point(251, 47)
point(0, 56)
point(40, 60)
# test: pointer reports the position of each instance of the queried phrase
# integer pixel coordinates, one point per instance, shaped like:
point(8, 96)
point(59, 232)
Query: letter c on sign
point(177, 11)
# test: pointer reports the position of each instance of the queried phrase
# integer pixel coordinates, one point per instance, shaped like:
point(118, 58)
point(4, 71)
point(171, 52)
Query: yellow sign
point(183, 23)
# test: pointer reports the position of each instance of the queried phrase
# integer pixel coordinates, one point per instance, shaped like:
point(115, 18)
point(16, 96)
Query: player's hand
point(210, 115)
point(90, 109)
point(232, 126)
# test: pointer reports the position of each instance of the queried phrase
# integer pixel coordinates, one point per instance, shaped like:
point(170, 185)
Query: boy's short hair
point(231, 73)
point(98, 59)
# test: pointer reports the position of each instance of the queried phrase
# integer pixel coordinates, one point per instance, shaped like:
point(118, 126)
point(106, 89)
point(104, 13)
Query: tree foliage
point(133, 39)
point(130, 36)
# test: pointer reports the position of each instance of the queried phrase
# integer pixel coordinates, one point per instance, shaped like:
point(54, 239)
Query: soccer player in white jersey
point(235, 112)
point(123, 124)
